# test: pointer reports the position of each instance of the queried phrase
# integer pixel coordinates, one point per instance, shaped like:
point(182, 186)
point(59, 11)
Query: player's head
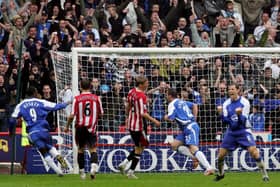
point(233, 91)
point(142, 82)
point(31, 92)
point(85, 84)
point(171, 94)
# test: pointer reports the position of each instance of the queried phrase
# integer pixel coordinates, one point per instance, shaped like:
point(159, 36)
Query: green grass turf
point(234, 179)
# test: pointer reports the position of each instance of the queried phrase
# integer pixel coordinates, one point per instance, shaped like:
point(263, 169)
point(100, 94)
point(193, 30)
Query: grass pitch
point(242, 179)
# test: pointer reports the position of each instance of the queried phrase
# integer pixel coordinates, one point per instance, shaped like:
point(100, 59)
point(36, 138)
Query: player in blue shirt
point(234, 113)
point(187, 141)
point(34, 112)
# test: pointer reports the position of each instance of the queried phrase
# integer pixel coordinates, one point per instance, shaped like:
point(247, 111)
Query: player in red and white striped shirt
point(86, 108)
point(137, 101)
point(136, 110)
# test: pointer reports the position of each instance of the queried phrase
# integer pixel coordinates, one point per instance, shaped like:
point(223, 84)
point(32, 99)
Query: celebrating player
point(137, 113)
point(186, 142)
point(34, 112)
point(234, 113)
point(87, 108)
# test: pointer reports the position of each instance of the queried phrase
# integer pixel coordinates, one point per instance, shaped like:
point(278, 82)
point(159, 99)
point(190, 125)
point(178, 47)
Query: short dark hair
point(31, 91)
point(140, 80)
point(88, 22)
point(32, 26)
point(85, 84)
point(237, 86)
point(172, 92)
point(268, 68)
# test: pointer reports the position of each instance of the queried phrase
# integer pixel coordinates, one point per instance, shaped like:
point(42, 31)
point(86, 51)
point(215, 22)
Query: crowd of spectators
point(59, 25)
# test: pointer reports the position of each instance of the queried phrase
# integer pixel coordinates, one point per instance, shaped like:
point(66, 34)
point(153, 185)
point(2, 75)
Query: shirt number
point(87, 110)
point(33, 114)
point(188, 111)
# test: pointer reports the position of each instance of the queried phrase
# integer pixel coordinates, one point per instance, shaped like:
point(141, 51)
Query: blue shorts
point(190, 135)
point(243, 138)
point(40, 139)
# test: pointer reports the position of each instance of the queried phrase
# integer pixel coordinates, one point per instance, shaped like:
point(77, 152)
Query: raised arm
point(217, 82)
point(38, 16)
point(5, 38)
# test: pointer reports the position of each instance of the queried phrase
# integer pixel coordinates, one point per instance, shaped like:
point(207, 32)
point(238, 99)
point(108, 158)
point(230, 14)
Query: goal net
point(200, 75)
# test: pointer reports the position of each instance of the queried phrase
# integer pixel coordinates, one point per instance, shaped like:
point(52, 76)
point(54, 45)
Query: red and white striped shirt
point(138, 102)
point(87, 107)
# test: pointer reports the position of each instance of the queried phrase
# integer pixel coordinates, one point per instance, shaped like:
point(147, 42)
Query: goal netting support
point(200, 75)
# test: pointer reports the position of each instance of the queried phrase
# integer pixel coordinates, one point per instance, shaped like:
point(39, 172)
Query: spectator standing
point(128, 38)
point(4, 102)
point(274, 64)
point(158, 103)
point(251, 9)
point(51, 117)
point(266, 79)
point(19, 29)
point(274, 11)
point(117, 21)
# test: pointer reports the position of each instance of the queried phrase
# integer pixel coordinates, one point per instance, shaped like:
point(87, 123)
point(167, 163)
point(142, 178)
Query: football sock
point(202, 159)
point(261, 166)
point(81, 160)
point(131, 155)
point(53, 152)
point(135, 161)
point(221, 167)
point(94, 167)
point(128, 158)
point(93, 157)
point(184, 150)
point(94, 161)
point(51, 163)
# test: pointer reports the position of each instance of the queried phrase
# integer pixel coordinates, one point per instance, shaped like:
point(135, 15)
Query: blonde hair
point(140, 80)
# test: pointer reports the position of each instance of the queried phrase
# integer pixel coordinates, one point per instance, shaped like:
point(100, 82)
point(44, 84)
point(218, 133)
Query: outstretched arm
point(54, 106)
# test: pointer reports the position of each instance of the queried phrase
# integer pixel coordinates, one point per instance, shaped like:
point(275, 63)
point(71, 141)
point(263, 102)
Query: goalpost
point(199, 75)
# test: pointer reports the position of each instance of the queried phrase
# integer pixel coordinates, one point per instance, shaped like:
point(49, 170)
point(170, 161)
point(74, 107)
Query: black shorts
point(140, 138)
point(84, 138)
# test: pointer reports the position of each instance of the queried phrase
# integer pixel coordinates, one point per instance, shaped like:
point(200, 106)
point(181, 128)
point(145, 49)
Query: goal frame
point(155, 51)
point(150, 51)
